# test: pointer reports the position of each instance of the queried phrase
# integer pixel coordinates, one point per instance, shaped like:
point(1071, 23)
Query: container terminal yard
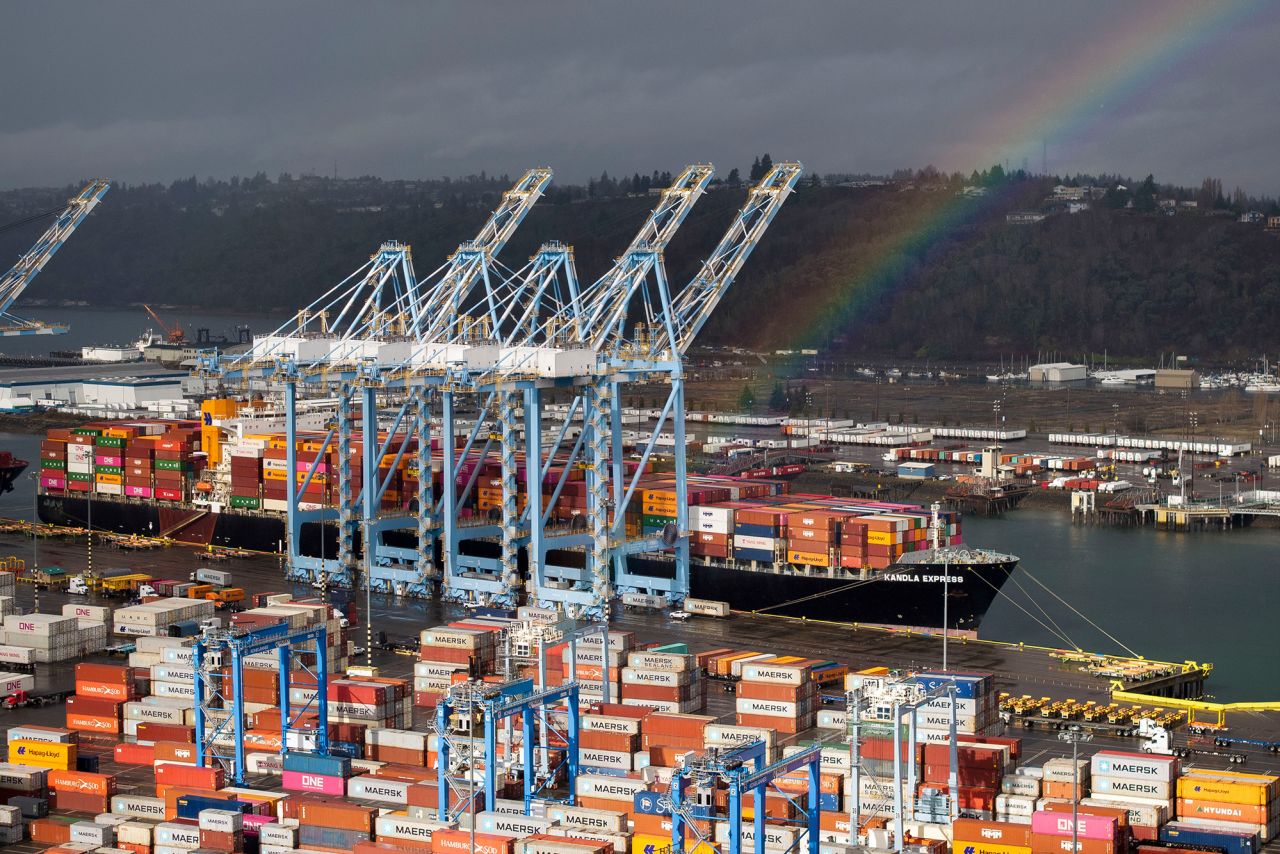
point(499, 621)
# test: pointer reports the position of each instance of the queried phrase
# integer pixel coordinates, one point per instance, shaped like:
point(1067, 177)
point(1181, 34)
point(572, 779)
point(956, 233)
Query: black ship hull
point(905, 595)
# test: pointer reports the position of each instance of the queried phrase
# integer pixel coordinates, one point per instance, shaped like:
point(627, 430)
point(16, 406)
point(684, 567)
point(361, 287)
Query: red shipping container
point(95, 706)
point(148, 731)
point(134, 754)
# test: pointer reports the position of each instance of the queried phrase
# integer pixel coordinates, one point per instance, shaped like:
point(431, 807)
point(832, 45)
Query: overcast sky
point(141, 91)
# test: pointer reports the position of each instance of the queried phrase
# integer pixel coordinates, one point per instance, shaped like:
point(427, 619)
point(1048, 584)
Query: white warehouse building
point(1057, 372)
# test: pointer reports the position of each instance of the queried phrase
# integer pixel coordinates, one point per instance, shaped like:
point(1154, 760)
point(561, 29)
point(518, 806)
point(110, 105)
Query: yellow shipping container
point(987, 848)
point(109, 478)
point(882, 538)
point(1254, 789)
point(274, 474)
point(43, 754)
point(644, 843)
point(809, 558)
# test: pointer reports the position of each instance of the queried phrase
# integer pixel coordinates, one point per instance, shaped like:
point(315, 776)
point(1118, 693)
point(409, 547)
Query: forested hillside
point(907, 268)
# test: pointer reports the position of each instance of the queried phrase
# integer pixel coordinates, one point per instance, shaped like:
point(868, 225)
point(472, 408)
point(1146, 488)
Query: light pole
point(1075, 735)
point(35, 520)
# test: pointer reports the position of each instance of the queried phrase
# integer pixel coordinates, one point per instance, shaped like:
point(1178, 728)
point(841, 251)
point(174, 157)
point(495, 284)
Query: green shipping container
point(244, 502)
point(109, 442)
point(109, 469)
point(171, 465)
point(79, 475)
point(53, 464)
point(656, 521)
point(87, 431)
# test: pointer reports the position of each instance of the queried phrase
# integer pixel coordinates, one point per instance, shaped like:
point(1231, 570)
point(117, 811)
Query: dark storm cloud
point(158, 90)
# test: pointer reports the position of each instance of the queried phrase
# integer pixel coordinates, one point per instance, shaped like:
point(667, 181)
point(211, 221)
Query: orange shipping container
point(1219, 811)
point(176, 751)
point(83, 782)
point(92, 723)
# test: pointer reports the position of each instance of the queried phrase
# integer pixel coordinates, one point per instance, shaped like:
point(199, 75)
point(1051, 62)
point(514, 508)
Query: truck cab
point(78, 586)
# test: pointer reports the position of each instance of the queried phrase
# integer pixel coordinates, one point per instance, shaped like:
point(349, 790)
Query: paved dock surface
point(1018, 671)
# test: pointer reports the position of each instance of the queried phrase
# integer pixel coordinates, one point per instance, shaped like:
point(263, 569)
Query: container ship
point(753, 542)
point(10, 468)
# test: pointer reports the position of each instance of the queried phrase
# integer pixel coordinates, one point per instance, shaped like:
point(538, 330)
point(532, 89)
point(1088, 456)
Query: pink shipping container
point(51, 482)
point(1059, 824)
point(297, 781)
point(103, 460)
point(138, 491)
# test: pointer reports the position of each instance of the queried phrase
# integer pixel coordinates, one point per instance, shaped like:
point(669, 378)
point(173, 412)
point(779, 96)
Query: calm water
point(111, 326)
point(1207, 596)
point(1204, 596)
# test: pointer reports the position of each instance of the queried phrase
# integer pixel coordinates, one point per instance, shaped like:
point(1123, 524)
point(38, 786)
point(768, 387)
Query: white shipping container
point(222, 821)
point(278, 834)
point(510, 825)
point(615, 760)
point(100, 613)
point(833, 760)
point(394, 826)
point(608, 788)
point(1150, 814)
point(1160, 769)
point(706, 607)
point(54, 735)
point(664, 678)
point(643, 660)
point(93, 834)
point(177, 836)
point(754, 543)
point(775, 838)
point(724, 735)
point(1016, 805)
point(15, 683)
point(771, 708)
point(1063, 771)
point(16, 654)
point(604, 821)
point(774, 674)
point(1156, 791)
point(1019, 784)
point(24, 778)
point(378, 789)
point(264, 763)
point(609, 723)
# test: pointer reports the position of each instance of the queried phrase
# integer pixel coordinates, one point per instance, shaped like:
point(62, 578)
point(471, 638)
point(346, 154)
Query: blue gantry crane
point(467, 358)
point(743, 770)
point(21, 274)
point(217, 648)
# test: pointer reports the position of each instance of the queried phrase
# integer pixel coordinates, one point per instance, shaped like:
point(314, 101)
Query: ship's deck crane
point(20, 275)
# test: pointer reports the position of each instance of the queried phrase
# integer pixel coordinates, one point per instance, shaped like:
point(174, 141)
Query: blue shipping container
point(756, 531)
point(1235, 842)
point(311, 763)
point(189, 806)
point(753, 554)
point(330, 837)
point(349, 749)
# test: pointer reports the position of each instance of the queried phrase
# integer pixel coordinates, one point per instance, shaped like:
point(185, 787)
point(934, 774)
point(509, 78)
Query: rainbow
point(1144, 48)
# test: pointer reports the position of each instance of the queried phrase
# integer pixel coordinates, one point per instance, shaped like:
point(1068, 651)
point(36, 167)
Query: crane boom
point(693, 305)
point(20, 275)
point(439, 309)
